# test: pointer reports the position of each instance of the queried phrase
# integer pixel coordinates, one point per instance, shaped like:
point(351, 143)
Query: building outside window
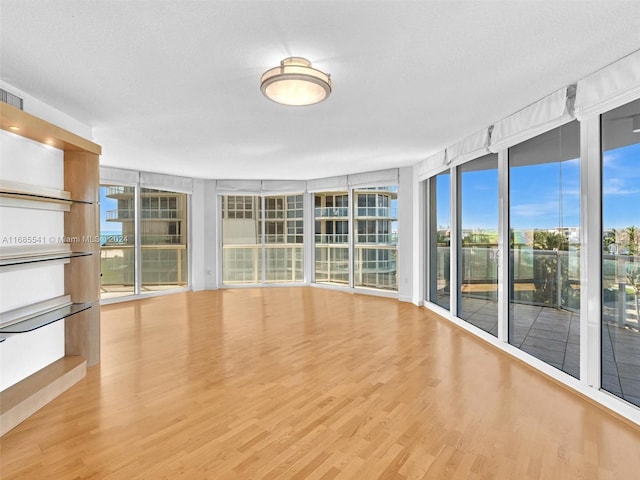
point(374, 241)
point(262, 239)
point(375, 245)
point(162, 240)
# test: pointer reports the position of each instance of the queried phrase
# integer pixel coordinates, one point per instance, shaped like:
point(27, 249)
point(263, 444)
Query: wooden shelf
point(12, 118)
point(29, 395)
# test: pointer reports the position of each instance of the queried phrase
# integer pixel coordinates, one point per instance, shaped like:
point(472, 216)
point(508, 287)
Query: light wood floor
point(308, 383)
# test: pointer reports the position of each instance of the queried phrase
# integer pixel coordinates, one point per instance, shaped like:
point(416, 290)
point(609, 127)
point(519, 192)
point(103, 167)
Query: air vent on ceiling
point(10, 98)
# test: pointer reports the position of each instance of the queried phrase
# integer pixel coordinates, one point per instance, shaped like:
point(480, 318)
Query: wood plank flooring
point(308, 383)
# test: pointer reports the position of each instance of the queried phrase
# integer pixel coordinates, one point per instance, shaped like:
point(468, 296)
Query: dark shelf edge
point(8, 262)
point(36, 197)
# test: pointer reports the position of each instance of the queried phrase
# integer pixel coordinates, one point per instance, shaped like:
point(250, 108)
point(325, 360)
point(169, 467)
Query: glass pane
point(241, 240)
point(621, 253)
point(284, 239)
point(117, 241)
point(478, 275)
point(375, 252)
point(544, 212)
point(332, 249)
point(440, 241)
point(163, 240)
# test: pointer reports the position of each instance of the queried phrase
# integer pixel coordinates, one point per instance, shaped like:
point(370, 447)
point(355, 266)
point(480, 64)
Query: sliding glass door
point(117, 241)
point(621, 252)
point(163, 239)
point(331, 216)
point(544, 258)
point(440, 239)
point(262, 239)
point(478, 243)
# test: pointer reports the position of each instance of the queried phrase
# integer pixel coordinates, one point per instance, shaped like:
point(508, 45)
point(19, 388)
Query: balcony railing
point(161, 266)
point(332, 238)
point(147, 214)
point(242, 264)
point(377, 212)
point(114, 191)
point(122, 214)
point(332, 212)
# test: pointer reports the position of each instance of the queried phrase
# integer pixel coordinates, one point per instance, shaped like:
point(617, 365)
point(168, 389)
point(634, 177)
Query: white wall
point(406, 261)
point(49, 113)
point(28, 162)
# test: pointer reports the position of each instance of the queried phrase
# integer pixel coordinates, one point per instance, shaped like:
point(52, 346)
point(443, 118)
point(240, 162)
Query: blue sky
point(621, 185)
point(538, 191)
point(108, 204)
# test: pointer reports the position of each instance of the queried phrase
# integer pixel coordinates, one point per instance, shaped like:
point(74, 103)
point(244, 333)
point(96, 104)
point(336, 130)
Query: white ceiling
point(173, 86)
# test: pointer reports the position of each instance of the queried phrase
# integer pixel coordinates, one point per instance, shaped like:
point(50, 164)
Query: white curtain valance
point(431, 165)
point(260, 187)
point(238, 186)
point(374, 179)
point(471, 147)
point(283, 186)
point(328, 184)
point(119, 176)
point(544, 115)
point(160, 181)
point(610, 87)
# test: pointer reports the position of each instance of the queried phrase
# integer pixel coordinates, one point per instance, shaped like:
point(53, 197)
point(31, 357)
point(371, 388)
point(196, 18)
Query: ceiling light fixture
point(13, 128)
point(636, 124)
point(295, 82)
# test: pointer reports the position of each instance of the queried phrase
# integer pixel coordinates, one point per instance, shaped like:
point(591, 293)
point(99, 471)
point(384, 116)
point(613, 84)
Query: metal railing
point(242, 264)
point(377, 212)
point(147, 214)
point(161, 266)
point(332, 212)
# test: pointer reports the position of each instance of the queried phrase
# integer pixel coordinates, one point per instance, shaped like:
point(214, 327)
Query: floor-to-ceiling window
point(478, 243)
point(163, 262)
point(544, 259)
point(366, 257)
point(163, 239)
point(376, 237)
point(117, 241)
point(440, 239)
point(283, 238)
point(621, 252)
point(241, 245)
point(331, 216)
point(262, 239)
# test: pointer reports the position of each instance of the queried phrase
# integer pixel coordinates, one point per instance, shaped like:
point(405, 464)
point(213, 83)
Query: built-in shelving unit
point(76, 251)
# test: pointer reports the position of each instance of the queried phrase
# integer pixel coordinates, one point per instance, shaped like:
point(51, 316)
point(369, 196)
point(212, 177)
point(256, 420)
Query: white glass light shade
point(295, 82)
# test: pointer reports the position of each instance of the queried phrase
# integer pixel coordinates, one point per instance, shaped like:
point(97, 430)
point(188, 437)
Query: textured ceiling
point(173, 86)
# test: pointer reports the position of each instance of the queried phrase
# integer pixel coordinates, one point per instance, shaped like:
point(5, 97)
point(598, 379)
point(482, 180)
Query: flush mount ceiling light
point(295, 82)
point(636, 124)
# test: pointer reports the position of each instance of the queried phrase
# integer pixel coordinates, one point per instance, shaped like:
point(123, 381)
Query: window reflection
point(478, 271)
point(117, 241)
point(163, 239)
point(621, 253)
point(440, 241)
point(544, 212)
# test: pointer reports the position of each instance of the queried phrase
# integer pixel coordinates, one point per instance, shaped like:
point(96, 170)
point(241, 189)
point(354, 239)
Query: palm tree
point(632, 244)
point(545, 267)
point(633, 279)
